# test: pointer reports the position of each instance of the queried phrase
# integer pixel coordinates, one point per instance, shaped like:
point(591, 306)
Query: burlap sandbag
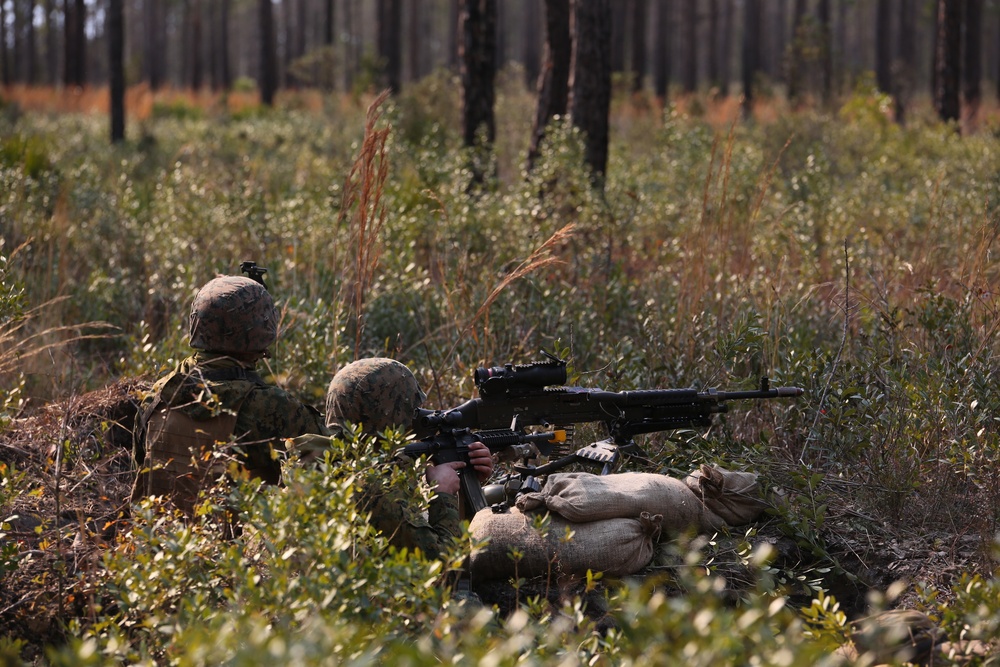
point(616, 547)
point(733, 496)
point(584, 496)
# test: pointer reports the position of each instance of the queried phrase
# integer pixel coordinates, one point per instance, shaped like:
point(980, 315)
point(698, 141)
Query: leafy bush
point(833, 251)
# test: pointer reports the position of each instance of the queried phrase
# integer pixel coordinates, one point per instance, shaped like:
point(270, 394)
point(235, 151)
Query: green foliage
point(12, 484)
point(841, 253)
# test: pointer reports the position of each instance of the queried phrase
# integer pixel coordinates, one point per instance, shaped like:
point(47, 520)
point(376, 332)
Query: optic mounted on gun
point(511, 379)
point(254, 272)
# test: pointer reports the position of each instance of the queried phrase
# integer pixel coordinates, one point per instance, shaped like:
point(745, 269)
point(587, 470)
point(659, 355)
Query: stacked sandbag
point(615, 520)
point(583, 496)
point(615, 546)
point(733, 497)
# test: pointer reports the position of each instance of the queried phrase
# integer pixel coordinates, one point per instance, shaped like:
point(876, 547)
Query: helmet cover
point(376, 393)
point(233, 315)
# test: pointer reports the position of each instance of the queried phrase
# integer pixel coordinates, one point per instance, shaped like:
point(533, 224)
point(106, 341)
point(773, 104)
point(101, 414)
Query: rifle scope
point(511, 378)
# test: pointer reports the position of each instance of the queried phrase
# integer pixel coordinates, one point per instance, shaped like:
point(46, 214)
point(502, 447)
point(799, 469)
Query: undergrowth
point(838, 252)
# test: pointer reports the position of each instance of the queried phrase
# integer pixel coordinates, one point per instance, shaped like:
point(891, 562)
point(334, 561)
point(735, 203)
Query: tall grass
point(835, 251)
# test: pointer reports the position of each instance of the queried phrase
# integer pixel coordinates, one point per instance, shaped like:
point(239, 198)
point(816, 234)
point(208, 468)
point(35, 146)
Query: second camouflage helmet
point(376, 393)
point(233, 315)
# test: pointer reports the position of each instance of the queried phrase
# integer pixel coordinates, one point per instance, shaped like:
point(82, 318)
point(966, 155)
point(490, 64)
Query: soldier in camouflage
point(380, 393)
point(214, 402)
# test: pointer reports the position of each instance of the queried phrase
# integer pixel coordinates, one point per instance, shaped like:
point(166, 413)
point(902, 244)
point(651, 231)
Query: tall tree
point(553, 82)
point(826, 50)
point(268, 53)
point(75, 43)
point(19, 18)
point(713, 43)
point(948, 60)
point(155, 56)
point(193, 48)
point(477, 57)
point(619, 28)
point(972, 68)
point(30, 51)
point(663, 48)
point(349, 61)
point(454, 9)
point(725, 55)
point(906, 57)
point(4, 62)
point(590, 79)
point(640, 11)
point(220, 47)
point(690, 78)
point(532, 41)
point(883, 46)
point(478, 67)
point(389, 23)
point(329, 16)
point(51, 47)
point(415, 29)
point(116, 68)
point(751, 52)
point(796, 57)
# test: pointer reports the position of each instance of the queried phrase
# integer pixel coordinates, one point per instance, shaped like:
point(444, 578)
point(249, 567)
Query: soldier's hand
point(444, 476)
point(482, 460)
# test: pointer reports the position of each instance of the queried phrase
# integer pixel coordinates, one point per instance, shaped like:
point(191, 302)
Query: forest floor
point(78, 502)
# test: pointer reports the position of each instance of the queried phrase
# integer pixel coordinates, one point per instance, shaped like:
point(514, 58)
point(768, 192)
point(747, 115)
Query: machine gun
point(512, 398)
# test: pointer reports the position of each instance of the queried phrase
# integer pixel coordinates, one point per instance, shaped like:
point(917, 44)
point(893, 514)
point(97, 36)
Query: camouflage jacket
point(394, 514)
point(206, 384)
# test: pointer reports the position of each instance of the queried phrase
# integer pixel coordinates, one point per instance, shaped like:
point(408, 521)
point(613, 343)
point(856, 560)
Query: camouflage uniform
point(216, 397)
point(377, 394)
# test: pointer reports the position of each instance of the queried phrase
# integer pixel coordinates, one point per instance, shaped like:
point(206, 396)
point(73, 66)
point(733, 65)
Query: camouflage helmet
point(233, 315)
point(376, 393)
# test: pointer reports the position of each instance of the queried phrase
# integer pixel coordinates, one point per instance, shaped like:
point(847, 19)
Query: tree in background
point(222, 78)
point(75, 43)
point(796, 56)
point(726, 40)
point(883, 47)
point(268, 53)
point(972, 67)
point(389, 23)
point(116, 69)
point(662, 48)
point(751, 52)
point(590, 79)
point(948, 59)
point(906, 57)
point(4, 62)
point(640, 11)
point(192, 43)
point(478, 66)
point(553, 82)
point(690, 78)
point(156, 40)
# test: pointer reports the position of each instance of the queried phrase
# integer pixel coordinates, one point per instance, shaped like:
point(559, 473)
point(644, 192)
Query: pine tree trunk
point(389, 19)
point(663, 48)
point(553, 82)
point(4, 61)
point(751, 52)
point(691, 46)
point(883, 46)
point(726, 54)
point(972, 68)
point(116, 69)
point(640, 14)
point(268, 53)
point(590, 80)
point(478, 61)
point(948, 60)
